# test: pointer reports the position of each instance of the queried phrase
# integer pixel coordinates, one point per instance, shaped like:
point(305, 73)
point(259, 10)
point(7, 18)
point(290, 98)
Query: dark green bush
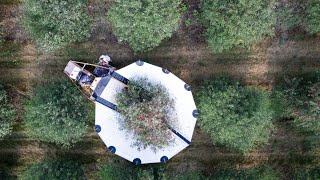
point(259, 173)
point(306, 174)
point(53, 169)
point(117, 171)
point(7, 114)
point(300, 99)
point(233, 115)
point(146, 109)
point(189, 176)
point(57, 113)
point(237, 23)
point(313, 16)
point(56, 23)
point(289, 16)
point(143, 24)
point(113, 172)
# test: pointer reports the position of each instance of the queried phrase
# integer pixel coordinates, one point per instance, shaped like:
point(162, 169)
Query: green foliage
point(289, 16)
point(187, 23)
point(53, 169)
point(309, 120)
point(57, 113)
point(7, 114)
point(115, 171)
point(306, 174)
point(233, 115)
point(184, 8)
point(147, 111)
point(260, 173)
point(146, 174)
point(188, 176)
point(236, 23)
point(56, 23)
point(313, 16)
point(143, 24)
point(301, 101)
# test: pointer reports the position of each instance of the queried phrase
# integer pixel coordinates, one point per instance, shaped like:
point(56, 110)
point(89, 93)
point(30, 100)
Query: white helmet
point(105, 58)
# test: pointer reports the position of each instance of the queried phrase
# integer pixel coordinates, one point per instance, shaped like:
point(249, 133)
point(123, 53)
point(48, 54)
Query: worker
point(85, 80)
point(104, 61)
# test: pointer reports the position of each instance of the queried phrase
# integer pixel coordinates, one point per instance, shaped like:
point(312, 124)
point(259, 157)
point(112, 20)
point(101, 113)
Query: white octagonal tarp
point(119, 142)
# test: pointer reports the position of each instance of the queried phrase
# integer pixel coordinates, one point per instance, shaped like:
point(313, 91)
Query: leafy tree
point(113, 172)
point(117, 171)
point(143, 24)
point(233, 115)
point(7, 114)
point(234, 23)
point(300, 99)
point(57, 113)
point(313, 16)
point(147, 111)
point(53, 169)
point(259, 173)
point(289, 15)
point(191, 175)
point(306, 174)
point(56, 23)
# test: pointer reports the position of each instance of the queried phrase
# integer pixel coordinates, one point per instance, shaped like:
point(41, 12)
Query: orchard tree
point(300, 100)
point(143, 24)
point(233, 115)
point(237, 23)
point(115, 171)
point(260, 173)
point(147, 110)
point(56, 23)
point(57, 113)
point(7, 114)
point(313, 16)
point(306, 173)
point(53, 169)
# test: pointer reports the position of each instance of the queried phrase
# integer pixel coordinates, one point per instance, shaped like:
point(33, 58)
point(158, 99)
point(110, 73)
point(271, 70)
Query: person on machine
point(85, 80)
point(105, 67)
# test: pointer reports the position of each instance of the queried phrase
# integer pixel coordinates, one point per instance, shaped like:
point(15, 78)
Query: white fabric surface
point(107, 118)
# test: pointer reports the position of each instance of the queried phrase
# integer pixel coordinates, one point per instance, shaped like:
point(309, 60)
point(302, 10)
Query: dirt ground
point(186, 55)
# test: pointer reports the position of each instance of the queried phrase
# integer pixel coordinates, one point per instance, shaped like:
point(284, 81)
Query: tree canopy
point(143, 24)
point(233, 115)
point(307, 173)
point(147, 111)
point(300, 100)
point(7, 114)
point(57, 113)
point(54, 24)
point(53, 169)
point(260, 173)
point(237, 23)
point(313, 16)
point(115, 171)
